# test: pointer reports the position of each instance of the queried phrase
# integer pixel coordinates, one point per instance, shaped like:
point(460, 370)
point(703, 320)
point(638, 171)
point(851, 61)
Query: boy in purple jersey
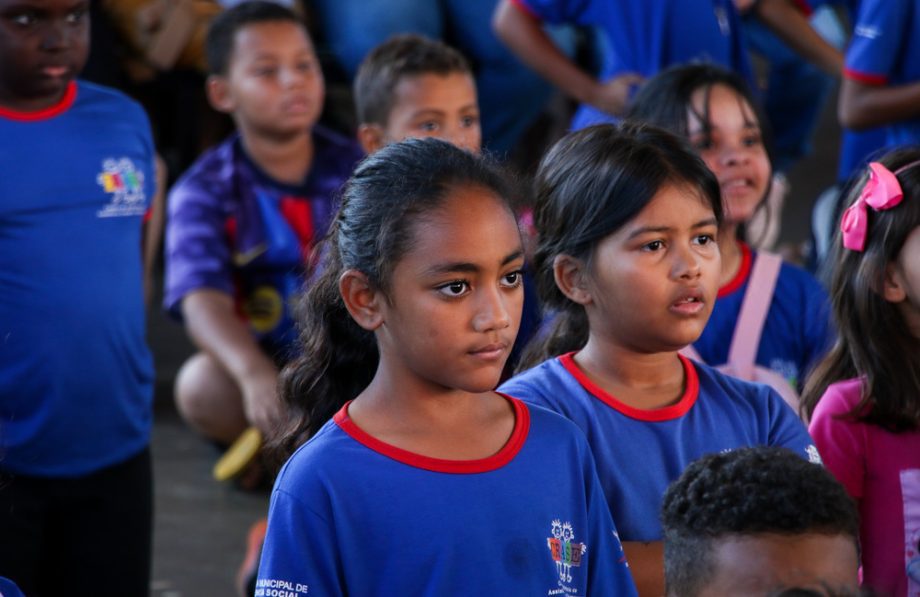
point(243, 220)
point(76, 375)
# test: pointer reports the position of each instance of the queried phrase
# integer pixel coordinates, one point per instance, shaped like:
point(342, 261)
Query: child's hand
point(260, 400)
point(614, 96)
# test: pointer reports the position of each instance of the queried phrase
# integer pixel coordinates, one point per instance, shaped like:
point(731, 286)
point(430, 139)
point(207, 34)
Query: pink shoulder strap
point(753, 314)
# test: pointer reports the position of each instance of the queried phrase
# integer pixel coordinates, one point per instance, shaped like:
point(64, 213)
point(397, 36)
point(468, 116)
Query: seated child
point(244, 218)
point(772, 320)
point(413, 86)
point(628, 224)
point(759, 521)
point(410, 475)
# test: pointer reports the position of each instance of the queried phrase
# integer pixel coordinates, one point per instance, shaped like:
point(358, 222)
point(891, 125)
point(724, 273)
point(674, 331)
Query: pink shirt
point(881, 470)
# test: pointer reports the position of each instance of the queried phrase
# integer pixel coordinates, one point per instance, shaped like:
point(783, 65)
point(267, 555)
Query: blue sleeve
point(881, 30)
point(300, 553)
point(609, 572)
point(786, 429)
point(197, 254)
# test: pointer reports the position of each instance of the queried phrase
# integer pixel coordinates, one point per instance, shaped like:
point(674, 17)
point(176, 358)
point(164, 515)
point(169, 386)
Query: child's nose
point(492, 312)
point(55, 36)
point(733, 155)
point(687, 264)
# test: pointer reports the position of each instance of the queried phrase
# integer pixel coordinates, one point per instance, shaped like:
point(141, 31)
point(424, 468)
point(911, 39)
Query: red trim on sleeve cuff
point(803, 6)
point(667, 413)
point(867, 78)
point(742, 275)
point(439, 465)
point(70, 94)
point(526, 9)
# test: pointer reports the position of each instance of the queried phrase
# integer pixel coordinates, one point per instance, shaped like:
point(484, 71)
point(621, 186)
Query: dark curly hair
point(743, 492)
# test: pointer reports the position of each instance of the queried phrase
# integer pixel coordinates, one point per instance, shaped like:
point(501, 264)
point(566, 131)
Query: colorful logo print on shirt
point(124, 182)
point(565, 552)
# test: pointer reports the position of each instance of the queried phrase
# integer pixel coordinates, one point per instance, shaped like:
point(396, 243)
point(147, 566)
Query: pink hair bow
point(882, 191)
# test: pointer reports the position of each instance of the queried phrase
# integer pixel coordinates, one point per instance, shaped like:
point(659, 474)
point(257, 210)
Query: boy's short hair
point(399, 57)
point(224, 27)
point(745, 492)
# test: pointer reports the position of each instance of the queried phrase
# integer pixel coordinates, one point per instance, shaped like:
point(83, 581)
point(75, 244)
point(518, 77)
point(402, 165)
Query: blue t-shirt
point(76, 378)
point(885, 50)
point(640, 452)
point(796, 333)
point(352, 515)
point(648, 36)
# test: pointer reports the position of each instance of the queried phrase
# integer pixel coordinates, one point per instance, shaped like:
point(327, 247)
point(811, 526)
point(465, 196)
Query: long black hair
point(371, 232)
point(874, 341)
point(589, 185)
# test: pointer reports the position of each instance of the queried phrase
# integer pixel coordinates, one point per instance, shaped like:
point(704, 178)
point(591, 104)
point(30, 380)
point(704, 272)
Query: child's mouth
point(55, 71)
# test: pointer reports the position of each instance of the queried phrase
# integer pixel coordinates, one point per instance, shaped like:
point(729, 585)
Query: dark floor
point(201, 525)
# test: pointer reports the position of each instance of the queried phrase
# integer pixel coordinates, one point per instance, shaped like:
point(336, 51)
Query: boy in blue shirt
point(243, 219)
point(76, 379)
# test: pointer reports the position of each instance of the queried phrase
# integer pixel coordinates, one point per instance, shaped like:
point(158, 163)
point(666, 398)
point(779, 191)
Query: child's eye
point(266, 71)
point(24, 19)
point(305, 67)
point(77, 16)
point(468, 121)
point(752, 141)
point(429, 126)
point(655, 245)
point(454, 288)
point(704, 239)
point(513, 279)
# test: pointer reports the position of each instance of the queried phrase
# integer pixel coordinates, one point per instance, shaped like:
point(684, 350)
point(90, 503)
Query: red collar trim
point(439, 465)
point(743, 272)
point(666, 413)
point(70, 94)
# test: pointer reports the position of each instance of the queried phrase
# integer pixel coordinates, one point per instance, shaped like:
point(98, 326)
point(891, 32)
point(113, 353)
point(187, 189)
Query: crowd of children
point(689, 416)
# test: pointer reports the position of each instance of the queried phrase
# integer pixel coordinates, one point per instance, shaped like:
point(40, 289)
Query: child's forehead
point(713, 101)
point(269, 37)
point(42, 5)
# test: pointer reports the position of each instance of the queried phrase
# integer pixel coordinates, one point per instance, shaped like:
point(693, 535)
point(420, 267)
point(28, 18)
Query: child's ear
point(371, 137)
point(570, 274)
point(893, 285)
point(219, 96)
point(361, 299)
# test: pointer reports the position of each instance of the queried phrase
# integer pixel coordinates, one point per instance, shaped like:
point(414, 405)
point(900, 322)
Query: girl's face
point(653, 282)
point(906, 271)
point(455, 298)
point(732, 146)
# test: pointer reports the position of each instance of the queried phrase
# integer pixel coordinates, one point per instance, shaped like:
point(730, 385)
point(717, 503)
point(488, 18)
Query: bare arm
point(646, 562)
point(863, 106)
point(153, 229)
point(790, 25)
point(216, 329)
point(525, 36)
